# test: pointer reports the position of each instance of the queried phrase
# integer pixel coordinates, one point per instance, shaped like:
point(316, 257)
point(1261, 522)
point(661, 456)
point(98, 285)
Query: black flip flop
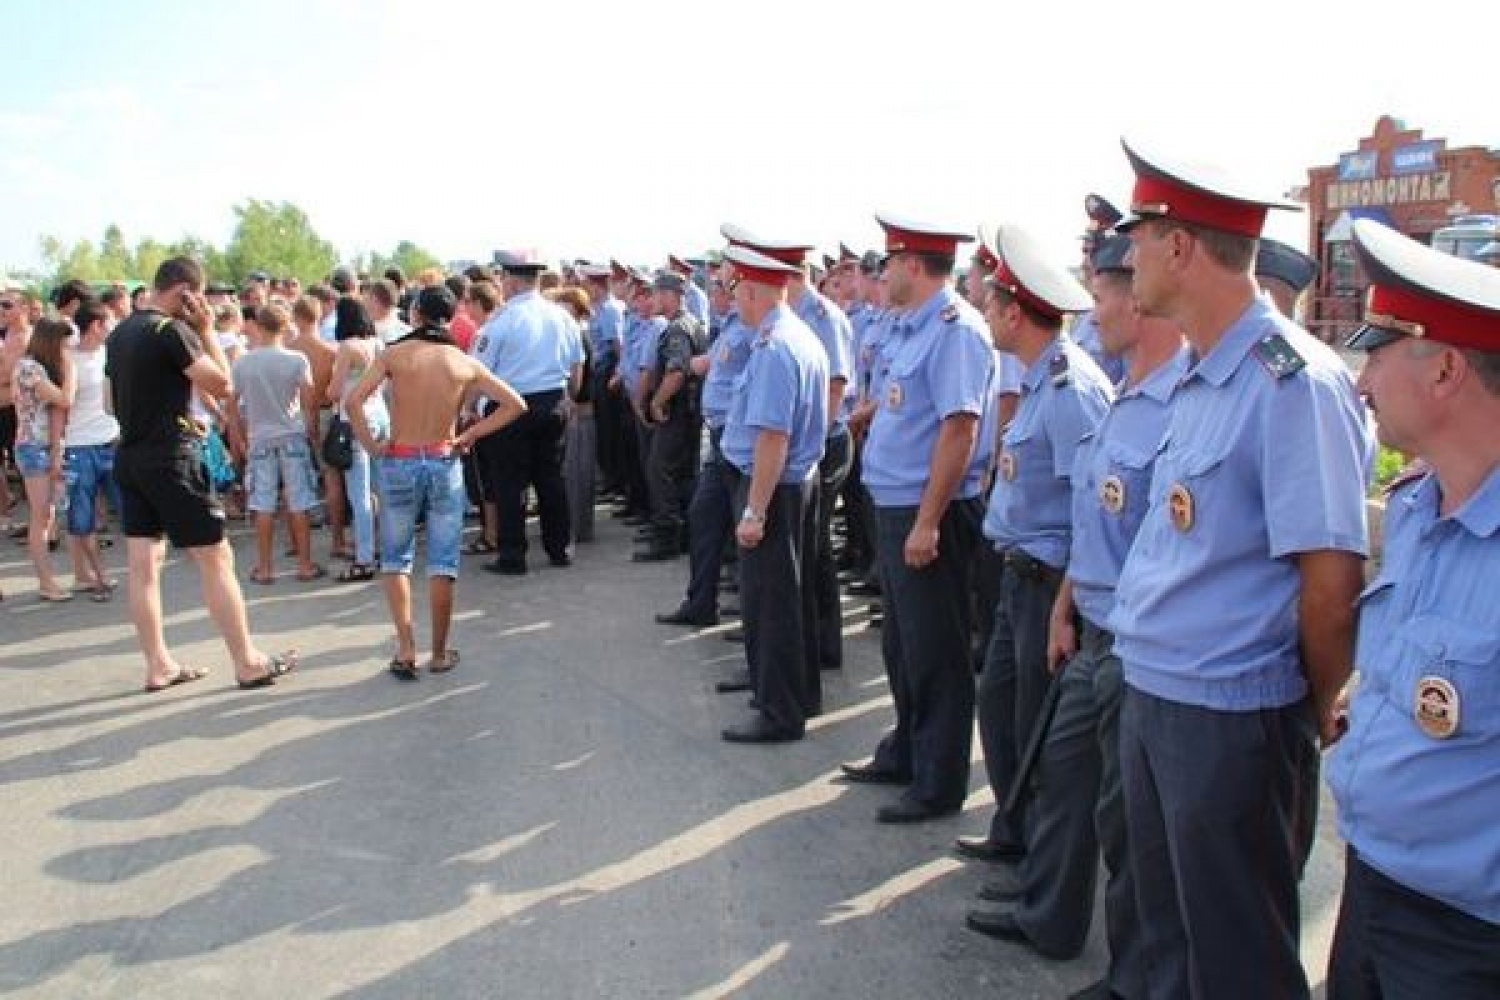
point(276, 666)
point(447, 663)
point(184, 676)
point(405, 670)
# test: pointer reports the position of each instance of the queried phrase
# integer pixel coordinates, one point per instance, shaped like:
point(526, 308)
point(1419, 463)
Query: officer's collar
point(1036, 372)
point(1160, 384)
point(940, 299)
point(530, 293)
point(1480, 514)
point(1244, 333)
point(769, 320)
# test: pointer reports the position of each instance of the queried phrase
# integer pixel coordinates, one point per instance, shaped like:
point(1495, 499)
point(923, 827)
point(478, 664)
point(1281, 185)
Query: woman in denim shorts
point(42, 380)
point(90, 457)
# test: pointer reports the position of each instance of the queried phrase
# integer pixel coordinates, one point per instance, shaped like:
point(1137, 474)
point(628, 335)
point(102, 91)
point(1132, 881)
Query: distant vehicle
point(1467, 235)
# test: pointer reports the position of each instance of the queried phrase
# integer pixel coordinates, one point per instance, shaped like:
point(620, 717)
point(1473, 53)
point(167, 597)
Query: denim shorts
point(87, 470)
point(285, 464)
point(33, 460)
point(408, 486)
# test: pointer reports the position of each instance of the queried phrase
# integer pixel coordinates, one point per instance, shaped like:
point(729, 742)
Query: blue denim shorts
point(282, 464)
point(87, 470)
point(33, 460)
point(408, 486)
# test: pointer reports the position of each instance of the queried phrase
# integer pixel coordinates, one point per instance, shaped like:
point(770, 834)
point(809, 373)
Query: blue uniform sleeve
point(1316, 450)
point(960, 370)
point(771, 390)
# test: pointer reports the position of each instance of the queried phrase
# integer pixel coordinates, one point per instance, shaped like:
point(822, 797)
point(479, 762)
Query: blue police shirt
point(834, 332)
point(641, 338)
point(695, 303)
point(726, 359)
point(1085, 334)
point(1111, 484)
point(1265, 456)
point(1064, 395)
point(607, 329)
point(940, 363)
point(784, 387)
point(1422, 808)
point(869, 355)
point(1009, 374)
point(532, 345)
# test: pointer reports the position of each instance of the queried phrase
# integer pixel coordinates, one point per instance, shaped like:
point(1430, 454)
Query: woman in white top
point(358, 344)
point(90, 456)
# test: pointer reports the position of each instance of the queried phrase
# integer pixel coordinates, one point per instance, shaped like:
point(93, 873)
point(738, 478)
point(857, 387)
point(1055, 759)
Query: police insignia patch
point(1180, 507)
point(1112, 494)
point(484, 342)
point(1279, 358)
point(893, 396)
point(949, 313)
point(1058, 370)
point(1436, 707)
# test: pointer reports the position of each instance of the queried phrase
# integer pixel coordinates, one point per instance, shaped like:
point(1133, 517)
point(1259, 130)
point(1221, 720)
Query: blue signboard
point(1415, 158)
point(1358, 166)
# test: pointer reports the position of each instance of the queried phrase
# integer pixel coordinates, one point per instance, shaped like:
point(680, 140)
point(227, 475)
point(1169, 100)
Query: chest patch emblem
point(1180, 508)
point(1436, 707)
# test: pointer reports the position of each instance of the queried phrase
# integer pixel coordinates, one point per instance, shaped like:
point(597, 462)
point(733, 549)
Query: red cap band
point(903, 241)
point(1417, 315)
point(1158, 196)
point(1007, 280)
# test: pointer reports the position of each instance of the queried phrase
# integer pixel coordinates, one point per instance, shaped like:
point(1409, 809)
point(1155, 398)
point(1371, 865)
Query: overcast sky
point(589, 129)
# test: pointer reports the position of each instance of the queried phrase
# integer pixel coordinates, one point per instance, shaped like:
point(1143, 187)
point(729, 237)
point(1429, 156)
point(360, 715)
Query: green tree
point(62, 260)
point(115, 259)
point(277, 238)
point(407, 256)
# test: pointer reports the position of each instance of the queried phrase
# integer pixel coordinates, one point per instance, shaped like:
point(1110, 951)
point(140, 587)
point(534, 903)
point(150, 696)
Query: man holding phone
point(156, 358)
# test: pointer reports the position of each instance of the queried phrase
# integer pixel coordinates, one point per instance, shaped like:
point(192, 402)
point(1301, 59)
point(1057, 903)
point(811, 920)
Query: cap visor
point(1368, 338)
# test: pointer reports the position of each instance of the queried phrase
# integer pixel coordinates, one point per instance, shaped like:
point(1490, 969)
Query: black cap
point(1274, 259)
point(436, 304)
point(670, 281)
point(219, 288)
point(1110, 253)
point(258, 276)
point(1101, 213)
point(872, 263)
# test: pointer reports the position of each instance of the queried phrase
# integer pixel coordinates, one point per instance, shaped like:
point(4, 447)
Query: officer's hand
point(1333, 722)
point(1062, 642)
point(921, 546)
point(749, 533)
point(658, 413)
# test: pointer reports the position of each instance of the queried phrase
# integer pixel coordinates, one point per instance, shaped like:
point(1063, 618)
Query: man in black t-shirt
point(155, 359)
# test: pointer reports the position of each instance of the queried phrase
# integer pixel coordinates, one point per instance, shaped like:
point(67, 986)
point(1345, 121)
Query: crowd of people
point(1129, 495)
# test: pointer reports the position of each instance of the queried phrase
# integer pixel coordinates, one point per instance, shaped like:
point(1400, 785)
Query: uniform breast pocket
point(905, 391)
point(1194, 484)
point(1450, 678)
point(1125, 489)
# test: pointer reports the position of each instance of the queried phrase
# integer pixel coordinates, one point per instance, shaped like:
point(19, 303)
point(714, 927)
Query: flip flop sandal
point(264, 581)
point(317, 574)
point(276, 666)
point(478, 547)
point(101, 595)
point(447, 663)
point(405, 670)
point(357, 573)
point(184, 676)
point(61, 598)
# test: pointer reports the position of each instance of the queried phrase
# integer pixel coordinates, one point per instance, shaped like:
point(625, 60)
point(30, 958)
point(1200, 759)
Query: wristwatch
point(752, 515)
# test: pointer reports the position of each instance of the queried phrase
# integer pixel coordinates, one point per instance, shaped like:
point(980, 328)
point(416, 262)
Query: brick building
point(1415, 185)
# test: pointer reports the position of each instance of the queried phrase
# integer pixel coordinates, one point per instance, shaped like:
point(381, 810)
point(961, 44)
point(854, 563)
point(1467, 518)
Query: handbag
point(338, 444)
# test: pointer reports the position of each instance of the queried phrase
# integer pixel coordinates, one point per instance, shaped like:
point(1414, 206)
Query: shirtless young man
point(320, 355)
point(419, 466)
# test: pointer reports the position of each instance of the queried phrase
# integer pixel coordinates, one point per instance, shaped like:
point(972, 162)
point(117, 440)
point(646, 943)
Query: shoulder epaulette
point(1278, 357)
point(1057, 370)
point(949, 313)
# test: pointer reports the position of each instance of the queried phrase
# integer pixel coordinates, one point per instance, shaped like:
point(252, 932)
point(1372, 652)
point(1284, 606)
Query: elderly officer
point(1284, 273)
point(1063, 397)
point(773, 439)
point(537, 349)
point(672, 411)
point(927, 450)
point(1417, 776)
point(1233, 615)
point(1078, 807)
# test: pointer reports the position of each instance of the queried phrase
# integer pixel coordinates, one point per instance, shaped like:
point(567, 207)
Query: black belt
point(1028, 567)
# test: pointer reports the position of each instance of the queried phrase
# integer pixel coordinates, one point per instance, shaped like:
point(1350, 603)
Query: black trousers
point(711, 519)
point(632, 456)
point(1394, 943)
point(669, 471)
point(775, 601)
point(529, 453)
point(1210, 807)
point(833, 470)
point(859, 516)
point(607, 419)
point(925, 642)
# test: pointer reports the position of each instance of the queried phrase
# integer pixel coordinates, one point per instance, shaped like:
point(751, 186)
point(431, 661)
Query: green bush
point(1388, 465)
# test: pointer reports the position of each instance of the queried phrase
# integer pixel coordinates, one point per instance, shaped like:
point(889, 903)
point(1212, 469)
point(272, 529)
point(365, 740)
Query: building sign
point(1415, 158)
point(1379, 191)
point(1358, 166)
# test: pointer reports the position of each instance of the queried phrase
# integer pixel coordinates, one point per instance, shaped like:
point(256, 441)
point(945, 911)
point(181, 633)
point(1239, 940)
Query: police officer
point(607, 331)
point(1416, 777)
point(927, 450)
point(642, 333)
point(1028, 522)
point(536, 348)
point(1077, 807)
point(867, 321)
point(1284, 273)
point(694, 299)
point(672, 411)
point(1233, 615)
point(772, 441)
point(1102, 217)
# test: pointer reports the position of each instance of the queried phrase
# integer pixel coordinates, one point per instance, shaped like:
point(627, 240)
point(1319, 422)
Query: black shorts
point(7, 434)
point(167, 492)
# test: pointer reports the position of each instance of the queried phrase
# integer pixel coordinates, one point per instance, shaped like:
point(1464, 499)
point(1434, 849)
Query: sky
point(593, 129)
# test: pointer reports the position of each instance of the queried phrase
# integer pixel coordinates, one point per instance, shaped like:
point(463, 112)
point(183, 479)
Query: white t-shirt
point(391, 329)
point(88, 423)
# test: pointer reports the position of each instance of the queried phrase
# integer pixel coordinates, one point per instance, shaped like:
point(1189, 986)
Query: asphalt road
point(556, 818)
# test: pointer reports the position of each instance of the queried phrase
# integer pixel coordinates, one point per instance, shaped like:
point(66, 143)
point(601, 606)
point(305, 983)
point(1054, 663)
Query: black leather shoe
point(731, 685)
point(561, 562)
point(996, 924)
point(759, 730)
point(655, 553)
point(1095, 991)
point(1001, 892)
point(682, 616)
point(506, 567)
point(983, 849)
point(735, 635)
point(869, 774)
point(906, 810)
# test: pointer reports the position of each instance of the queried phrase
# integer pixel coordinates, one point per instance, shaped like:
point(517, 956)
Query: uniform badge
point(1436, 707)
point(893, 396)
point(1180, 507)
point(1279, 358)
point(484, 342)
point(1008, 466)
point(1058, 370)
point(949, 313)
point(1112, 494)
